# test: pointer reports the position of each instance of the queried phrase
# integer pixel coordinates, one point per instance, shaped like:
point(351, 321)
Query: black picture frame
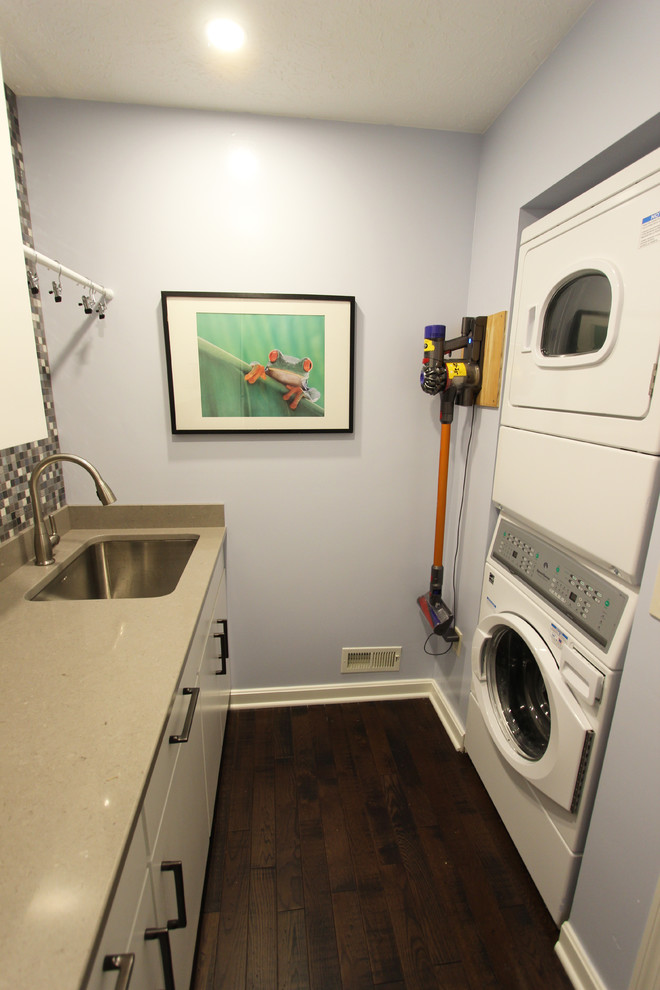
point(259, 362)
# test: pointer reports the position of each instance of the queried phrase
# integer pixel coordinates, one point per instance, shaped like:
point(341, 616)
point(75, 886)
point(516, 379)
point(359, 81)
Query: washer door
point(531, 715)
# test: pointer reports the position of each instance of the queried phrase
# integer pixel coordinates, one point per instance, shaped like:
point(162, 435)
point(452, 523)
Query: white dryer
point(546, 665)
point(580, 402)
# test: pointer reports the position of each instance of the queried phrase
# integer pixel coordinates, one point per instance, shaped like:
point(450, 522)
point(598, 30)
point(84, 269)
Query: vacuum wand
point(456, 381)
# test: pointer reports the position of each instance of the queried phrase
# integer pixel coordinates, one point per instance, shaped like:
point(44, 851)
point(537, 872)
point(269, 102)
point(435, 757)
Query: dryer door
point(531, 715)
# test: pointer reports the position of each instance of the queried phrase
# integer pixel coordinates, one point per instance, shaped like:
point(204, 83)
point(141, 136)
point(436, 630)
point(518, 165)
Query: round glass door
point(577, 316)
point(518, 692)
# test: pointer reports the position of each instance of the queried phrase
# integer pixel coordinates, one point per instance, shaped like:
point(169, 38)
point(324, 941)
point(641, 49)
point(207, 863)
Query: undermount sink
point(121, 568)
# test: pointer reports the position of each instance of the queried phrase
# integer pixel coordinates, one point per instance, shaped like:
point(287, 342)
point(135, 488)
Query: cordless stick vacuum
point(458, 382)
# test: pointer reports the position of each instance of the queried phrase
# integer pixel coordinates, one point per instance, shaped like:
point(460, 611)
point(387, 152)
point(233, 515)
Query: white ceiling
point(444, 64)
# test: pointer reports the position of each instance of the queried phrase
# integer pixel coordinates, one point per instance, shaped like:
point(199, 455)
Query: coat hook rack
point(93, 287)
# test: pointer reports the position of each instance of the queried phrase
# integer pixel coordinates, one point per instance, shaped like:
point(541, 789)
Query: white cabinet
point(148, 941)
point(22, 418)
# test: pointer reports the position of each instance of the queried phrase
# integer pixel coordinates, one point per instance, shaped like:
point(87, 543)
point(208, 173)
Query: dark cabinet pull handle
point(224, 645)
point(123, 962)
point(176, 867)
point(185, 735)
point(163, 936)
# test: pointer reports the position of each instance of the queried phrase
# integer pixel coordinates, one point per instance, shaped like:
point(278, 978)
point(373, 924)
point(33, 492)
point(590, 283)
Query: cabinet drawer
point(116, 938)
point(214, 681)
point(168, 753)
point(198, 645)
point(179, 859)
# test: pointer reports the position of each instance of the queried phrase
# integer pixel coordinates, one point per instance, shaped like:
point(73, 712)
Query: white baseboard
point(326, 694)
point(646, 974)
point(453, 727)
point(576, 962)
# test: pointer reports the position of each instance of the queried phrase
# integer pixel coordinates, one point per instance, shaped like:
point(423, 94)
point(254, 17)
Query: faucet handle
point(53, 535)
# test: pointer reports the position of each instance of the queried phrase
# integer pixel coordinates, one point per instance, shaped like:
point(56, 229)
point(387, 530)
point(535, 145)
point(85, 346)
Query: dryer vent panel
point(359, 660)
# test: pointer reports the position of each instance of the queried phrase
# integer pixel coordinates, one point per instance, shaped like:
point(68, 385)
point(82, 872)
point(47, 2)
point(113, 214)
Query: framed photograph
point(251, 363)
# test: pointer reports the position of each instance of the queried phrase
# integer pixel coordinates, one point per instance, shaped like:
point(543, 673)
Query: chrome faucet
point(45, 535)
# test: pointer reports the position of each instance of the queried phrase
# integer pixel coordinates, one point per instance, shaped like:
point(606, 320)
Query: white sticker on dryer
point(650, 233)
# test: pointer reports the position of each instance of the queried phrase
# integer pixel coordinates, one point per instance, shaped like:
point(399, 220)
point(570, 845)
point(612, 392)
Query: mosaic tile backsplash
point(16, 463)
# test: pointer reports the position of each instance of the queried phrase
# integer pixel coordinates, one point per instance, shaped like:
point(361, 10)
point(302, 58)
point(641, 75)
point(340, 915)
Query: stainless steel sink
point(121, 568)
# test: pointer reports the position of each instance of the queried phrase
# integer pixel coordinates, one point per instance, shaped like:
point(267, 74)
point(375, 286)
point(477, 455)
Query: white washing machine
point(546, 664)
point(580, 393)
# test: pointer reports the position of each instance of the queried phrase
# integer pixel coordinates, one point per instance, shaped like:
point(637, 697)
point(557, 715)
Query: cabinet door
point(179, 860)
point(116, 937)
point(168, 754)
point(214, 681)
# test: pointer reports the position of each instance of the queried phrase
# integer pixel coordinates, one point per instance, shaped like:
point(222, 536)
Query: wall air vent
point(358, 660)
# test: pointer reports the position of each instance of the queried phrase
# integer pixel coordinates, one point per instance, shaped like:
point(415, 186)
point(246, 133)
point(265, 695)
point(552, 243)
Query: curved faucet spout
point(44, 541)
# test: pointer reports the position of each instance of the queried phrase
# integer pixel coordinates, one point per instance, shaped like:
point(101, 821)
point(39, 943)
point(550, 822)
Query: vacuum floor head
point(438, 616)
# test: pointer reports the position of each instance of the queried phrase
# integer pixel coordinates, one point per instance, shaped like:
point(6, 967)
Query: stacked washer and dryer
point(577, 479)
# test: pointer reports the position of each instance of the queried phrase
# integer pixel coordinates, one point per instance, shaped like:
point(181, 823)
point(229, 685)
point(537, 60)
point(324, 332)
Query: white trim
point(646, 974)
point(453, 727)
point(577, 964)
point(326, 694)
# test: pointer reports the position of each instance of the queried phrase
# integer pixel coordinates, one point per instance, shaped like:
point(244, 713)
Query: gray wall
point(330, 538)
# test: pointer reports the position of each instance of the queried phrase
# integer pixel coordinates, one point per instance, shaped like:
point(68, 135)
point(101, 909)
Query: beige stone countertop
point(86, 689)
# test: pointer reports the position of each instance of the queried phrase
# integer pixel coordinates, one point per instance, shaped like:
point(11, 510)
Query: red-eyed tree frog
point(291, 372)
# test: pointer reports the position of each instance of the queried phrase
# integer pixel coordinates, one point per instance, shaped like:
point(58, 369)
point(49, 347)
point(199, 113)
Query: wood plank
point(264, 731)
point(287, 839)
point(283, 743)
point(322, 954)
point(341, 750)
point(379, 930)
point(263, 818)
point(489, 394)
point(203, 977)
point(418, 970)
point(384, 840)
point(292, 969)
point(309, 808)
point(335, 833)
point(533, 940)
point(351, 941)
point(435, 923)
point(323, 749)
point(262, 933)
point(452, 976)
point(372, 718)
point(240, 799)
point(231, 953)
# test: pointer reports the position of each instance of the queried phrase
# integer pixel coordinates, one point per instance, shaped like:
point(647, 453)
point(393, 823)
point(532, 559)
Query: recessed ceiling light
point(225, 35)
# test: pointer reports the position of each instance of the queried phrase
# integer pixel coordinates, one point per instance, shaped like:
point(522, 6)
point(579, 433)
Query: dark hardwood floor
point(353, 847)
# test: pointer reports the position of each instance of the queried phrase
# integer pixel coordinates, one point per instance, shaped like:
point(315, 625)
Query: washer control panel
point(590, 600)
